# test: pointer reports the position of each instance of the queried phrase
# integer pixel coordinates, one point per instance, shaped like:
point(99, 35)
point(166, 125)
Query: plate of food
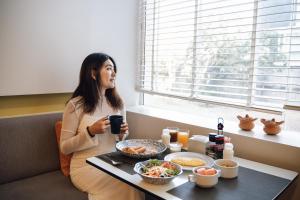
point(189, 160)
point(140, 148)
point(157, 172)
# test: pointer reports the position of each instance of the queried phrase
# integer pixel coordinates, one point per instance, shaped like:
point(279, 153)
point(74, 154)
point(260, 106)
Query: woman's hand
point(124, 129)
point(100, 126)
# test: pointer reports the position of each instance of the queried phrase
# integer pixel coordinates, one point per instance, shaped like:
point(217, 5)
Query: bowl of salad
point(157, 172)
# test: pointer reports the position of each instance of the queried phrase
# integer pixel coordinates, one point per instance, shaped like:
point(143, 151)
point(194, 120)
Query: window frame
point(248, 105)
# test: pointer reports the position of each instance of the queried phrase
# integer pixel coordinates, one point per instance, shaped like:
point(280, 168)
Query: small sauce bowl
point(229, 168)
point(175, 147)
point(202, 180)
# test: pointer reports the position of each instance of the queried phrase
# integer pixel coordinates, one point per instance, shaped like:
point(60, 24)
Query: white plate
point(158, 147)
point(209, 161)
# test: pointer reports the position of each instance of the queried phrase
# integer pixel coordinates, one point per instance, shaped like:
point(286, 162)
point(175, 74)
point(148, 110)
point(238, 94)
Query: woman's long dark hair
point(89, 89)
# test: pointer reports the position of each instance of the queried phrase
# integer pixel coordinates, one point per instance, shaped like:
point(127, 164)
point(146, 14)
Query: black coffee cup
point(115, 123)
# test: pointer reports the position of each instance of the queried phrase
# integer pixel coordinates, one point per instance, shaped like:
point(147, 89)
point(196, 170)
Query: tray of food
point(140, 148)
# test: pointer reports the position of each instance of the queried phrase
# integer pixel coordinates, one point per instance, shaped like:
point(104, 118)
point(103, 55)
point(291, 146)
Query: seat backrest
point(28, 146)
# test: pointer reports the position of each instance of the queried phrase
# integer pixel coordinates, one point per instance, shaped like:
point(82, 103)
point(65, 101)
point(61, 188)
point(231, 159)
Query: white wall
point(43, 43)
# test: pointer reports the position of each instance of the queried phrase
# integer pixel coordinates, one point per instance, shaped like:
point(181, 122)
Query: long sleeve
point(72, 139)
point(123, 113)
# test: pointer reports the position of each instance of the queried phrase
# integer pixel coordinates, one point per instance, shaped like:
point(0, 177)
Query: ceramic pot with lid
point(246, 123)
point(271, 126)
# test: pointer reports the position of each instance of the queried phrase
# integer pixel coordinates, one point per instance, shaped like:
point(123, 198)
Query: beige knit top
point(75, 138)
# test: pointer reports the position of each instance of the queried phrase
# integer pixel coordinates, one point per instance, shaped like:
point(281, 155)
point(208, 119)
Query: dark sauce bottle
point(219, 146)
point(210, 148)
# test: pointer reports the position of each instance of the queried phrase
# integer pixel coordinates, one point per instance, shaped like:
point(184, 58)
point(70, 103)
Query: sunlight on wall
point(28, 104)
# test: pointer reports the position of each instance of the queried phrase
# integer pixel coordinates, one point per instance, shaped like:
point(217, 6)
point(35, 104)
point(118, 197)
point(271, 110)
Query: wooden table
point(180, 188)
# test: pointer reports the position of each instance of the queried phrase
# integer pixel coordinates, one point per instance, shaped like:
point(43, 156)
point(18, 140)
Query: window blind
point(243, 53)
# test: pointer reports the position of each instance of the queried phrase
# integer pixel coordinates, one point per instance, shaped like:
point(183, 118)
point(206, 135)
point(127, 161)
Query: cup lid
point(175, 144)
point(165, 131)
point(228, 146)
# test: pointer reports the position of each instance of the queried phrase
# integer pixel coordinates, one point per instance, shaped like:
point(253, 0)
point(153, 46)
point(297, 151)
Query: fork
point(115, 162)
point(142, 165)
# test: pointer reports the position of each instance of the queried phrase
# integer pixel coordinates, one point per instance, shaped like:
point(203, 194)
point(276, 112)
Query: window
point(239, 53)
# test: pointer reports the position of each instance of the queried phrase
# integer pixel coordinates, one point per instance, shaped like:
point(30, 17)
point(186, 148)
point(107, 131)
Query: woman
point(85, 129)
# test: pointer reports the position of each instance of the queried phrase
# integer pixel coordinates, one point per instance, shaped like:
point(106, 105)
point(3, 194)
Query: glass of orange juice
point(183, 137)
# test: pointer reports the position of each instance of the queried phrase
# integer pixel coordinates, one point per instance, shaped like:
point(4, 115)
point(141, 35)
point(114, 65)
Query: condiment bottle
point(228, 151)
point(210, 148)
point(219, 146)
point(165, 137)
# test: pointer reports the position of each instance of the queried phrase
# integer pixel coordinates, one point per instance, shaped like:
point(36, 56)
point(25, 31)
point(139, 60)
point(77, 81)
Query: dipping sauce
point(173, 133)
point(227, 165)
point(173, 136)
point(175, 147)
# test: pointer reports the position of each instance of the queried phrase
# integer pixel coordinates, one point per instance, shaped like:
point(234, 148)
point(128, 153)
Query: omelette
point(188, 161)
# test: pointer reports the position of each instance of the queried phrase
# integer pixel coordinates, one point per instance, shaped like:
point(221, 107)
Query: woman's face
point(108, 75)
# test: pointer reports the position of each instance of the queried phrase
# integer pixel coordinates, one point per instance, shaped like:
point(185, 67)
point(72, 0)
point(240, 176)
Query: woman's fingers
point(107, 122)
point(123, 130)
point(124, 127)
point(101, 125)
point(124, 124)
point(104, 120)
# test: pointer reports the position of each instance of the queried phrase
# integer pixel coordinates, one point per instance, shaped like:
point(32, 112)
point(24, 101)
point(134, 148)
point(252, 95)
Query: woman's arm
point(71, 140)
